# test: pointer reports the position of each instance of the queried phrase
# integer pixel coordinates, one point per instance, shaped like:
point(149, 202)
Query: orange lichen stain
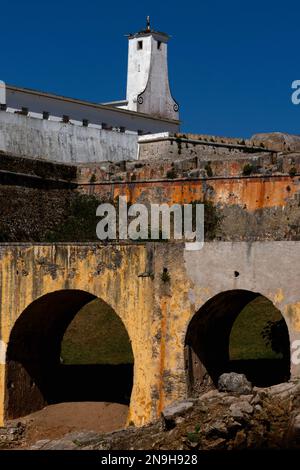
point(278, 297)
point(162, 356)
point(234, 168)
point(253, 192)
point(293, 314)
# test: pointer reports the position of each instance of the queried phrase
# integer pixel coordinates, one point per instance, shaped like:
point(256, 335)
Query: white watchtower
point(148, 89)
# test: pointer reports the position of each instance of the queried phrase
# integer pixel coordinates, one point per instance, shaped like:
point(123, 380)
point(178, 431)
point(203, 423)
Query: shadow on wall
point(217, 342)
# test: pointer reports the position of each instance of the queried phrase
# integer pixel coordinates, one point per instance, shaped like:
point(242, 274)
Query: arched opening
point(67, 346)
point(232, 332)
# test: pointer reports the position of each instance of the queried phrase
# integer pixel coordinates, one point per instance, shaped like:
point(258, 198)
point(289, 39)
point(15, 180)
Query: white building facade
point(43, 125)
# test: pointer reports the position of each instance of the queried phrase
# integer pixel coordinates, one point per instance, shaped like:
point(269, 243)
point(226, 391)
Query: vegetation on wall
point(80, 224)
point(248, 169)
point(275, 335)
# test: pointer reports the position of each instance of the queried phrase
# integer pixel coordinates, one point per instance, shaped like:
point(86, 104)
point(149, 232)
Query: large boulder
point(234, 383)
point(277, 141)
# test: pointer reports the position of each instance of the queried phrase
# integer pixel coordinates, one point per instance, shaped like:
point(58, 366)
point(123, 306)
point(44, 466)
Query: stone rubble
point(267, 418)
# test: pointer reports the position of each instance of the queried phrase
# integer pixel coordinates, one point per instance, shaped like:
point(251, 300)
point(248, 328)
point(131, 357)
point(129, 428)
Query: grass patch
point(96, 335)
point(246, 341)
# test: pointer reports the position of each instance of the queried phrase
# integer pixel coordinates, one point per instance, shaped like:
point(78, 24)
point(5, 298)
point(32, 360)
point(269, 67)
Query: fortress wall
point(245, 208)
point(38, 197)
point(186, 146)
point(63, 142)
point(155, 313)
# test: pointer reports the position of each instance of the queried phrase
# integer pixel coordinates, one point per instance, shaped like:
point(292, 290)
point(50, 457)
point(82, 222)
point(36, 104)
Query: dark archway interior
point(207, 346)
point(35, 374)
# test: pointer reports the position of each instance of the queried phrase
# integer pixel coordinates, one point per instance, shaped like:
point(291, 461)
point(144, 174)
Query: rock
point(60, 445)
point(70, 441)
point(84, 438)
point(228, 400)
point(285, 389)
point(193, 445)
point(11, 433)
point(233, 426)
point(218, 429)
point(256, 400)
point(39, 444)
point(179, 420)
point(216, 444)
point(278, 141)
point(236, 383)
point(194, 173)
point(240, 440)
point(247, 398)
point(172, 412)
point(210, 394)
point(238, 410)
point(292, 439)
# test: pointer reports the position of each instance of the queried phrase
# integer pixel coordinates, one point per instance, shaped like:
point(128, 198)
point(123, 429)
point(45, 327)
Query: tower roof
point(149, 31)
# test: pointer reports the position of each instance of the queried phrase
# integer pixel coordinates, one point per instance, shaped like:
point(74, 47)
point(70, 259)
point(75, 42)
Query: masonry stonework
point(156, 315)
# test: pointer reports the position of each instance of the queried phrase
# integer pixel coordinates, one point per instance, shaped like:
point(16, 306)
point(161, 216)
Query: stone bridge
point(178, 324)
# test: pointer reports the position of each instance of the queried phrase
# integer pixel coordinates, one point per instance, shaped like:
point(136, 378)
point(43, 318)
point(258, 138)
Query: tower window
point(140, 45)
point(158, 44)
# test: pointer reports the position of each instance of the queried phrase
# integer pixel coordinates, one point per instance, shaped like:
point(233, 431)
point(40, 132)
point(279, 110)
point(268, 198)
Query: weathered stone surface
point(228, 399)
point(286, 388)
point(278, 141)
point(217, 429)
point(216, 444)
point(256, 400)
point(60, 445)
point(39, 444)
point(293, 432)
point(174, 412)
point(233, 426)
point(210, 394)
point(56, 141)
point(204, 423)
point(233, 382)
point(238, 410)
point(11, 434)
point(240, 440)
point(84, 438)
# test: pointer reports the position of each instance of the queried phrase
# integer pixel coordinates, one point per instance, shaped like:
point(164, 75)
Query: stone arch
point(33, 366)
point(208, 336)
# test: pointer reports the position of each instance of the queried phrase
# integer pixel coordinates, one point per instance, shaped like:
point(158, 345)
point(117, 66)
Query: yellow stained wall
point(28, 273)
point(155, 313)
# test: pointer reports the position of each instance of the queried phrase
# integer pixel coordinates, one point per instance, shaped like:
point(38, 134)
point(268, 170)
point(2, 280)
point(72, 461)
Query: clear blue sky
point(231, 63)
